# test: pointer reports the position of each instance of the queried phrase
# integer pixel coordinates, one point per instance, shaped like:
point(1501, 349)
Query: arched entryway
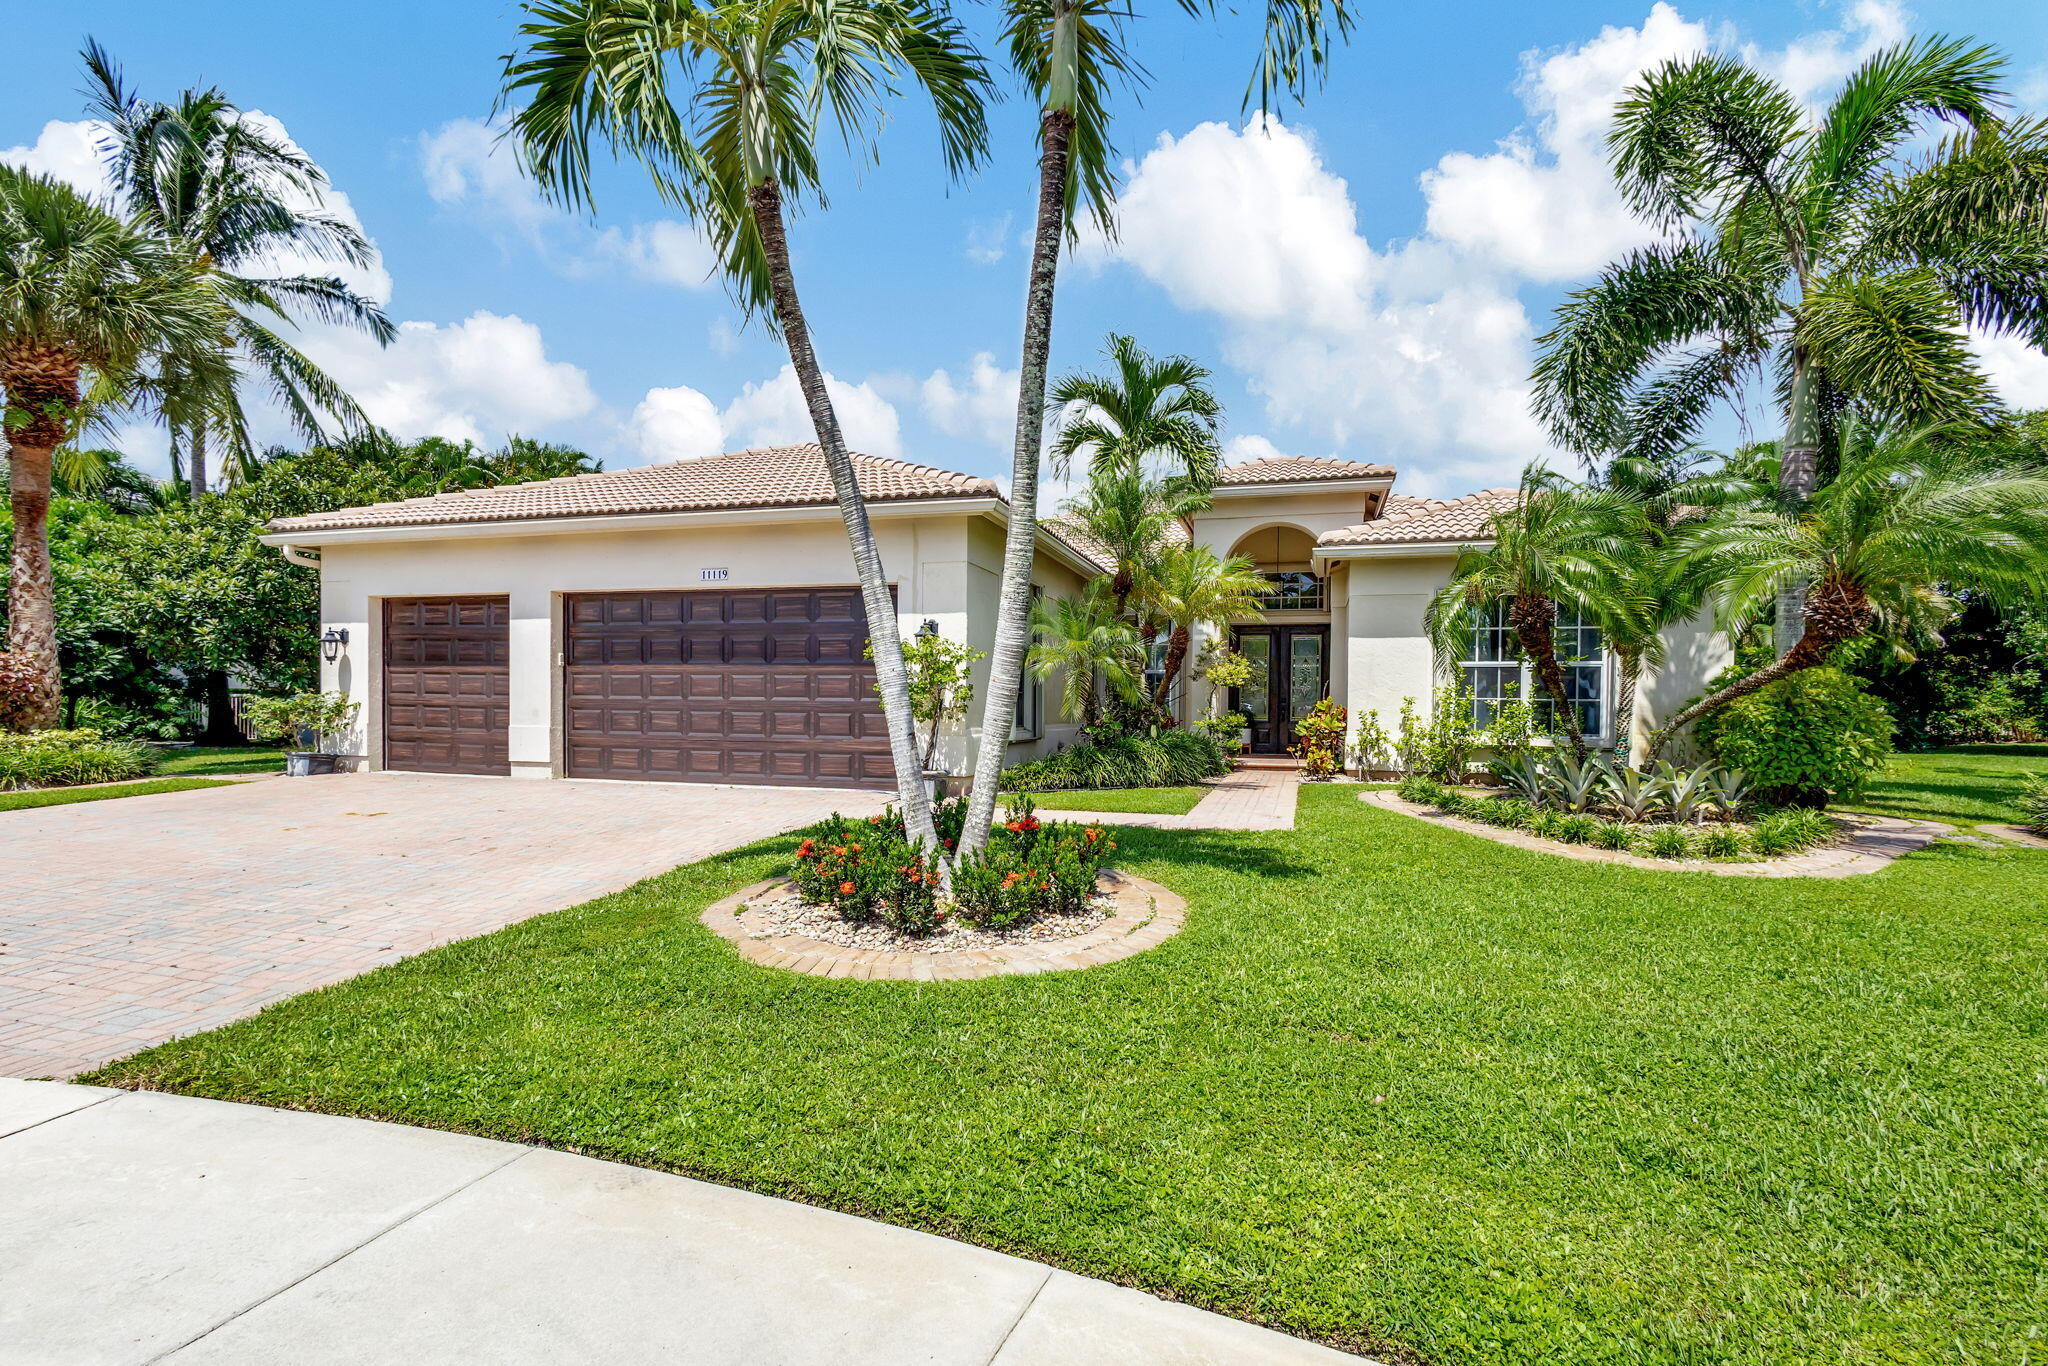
point(1291, 647)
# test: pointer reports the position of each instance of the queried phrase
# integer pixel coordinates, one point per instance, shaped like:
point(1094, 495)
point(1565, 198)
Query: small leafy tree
point(941, 683)
point(319, 714)
point(1807, 739)
point(1374, 748)
point(1321, 744)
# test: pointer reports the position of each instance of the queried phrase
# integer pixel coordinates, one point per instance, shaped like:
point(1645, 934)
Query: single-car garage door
point(447, 684)
point(763, 686)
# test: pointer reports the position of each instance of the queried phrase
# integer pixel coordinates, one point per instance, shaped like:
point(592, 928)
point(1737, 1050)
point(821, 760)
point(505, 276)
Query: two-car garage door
point(753, 686)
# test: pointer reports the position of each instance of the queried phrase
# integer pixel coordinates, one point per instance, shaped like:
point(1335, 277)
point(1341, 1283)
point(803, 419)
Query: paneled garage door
point(447, 684)
point(763, 686)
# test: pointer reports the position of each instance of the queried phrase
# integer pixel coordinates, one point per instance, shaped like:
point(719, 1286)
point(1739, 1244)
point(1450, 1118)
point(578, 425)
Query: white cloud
point(1812, 65)
point(982, 404)
point(68, 151)
point(773, 413)
point(469, 168)
point(476, 380)
point(2017, 370)
point(988, 239)
point(677, 424)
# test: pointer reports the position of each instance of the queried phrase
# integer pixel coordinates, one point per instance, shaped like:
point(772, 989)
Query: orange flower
point(854, 847)
point(846, 889)
point(839, 851)
point(1094, 833)
point(806, 849)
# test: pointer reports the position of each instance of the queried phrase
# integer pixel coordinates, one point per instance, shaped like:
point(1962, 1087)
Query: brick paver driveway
point(124, 923)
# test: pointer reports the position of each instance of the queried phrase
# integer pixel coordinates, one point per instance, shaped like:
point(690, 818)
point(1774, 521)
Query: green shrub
point(1321, 747)
point(1544, 823)
point(1574, 828)
point(1420, 790)
point(1609, 835)
point(1805, 740)
point(2034, 803)
point(66, 758)
point(1668, 841)
point(1721, 842)
point(1788, 831)
point(1173, 758)
point(324, 716)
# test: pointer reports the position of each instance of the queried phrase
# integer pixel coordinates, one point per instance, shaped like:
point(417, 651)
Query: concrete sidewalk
point(1244, 799)
point(137, 1227)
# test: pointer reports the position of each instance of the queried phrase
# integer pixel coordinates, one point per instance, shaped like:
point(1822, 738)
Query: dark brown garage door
point(724, 687)
point(447, 684)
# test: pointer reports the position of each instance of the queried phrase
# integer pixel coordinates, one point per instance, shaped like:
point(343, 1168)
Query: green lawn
point(1395, 1087)
point(221, 759)
point(1154, 801)
point(1967, 784)
point(63, 796)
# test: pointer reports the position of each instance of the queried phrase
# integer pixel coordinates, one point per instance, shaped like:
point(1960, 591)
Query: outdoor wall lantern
point(331, 643)
point(930, 627)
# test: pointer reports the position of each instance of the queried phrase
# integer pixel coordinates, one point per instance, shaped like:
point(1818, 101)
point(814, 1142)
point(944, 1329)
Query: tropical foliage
point(1808, 739)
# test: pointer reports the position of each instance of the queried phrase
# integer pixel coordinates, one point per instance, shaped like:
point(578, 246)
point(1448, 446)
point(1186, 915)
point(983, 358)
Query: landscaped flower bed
point(68, 758)
point(862, 883)
point(1668, 814)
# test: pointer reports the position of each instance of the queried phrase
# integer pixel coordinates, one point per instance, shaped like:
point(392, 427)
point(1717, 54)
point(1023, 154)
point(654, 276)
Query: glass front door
point(1291, 673)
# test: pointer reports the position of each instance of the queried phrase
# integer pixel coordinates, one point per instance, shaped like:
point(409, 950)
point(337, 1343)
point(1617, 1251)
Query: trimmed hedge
point(66, 758)
point(1172, 758)
point(1805, 740)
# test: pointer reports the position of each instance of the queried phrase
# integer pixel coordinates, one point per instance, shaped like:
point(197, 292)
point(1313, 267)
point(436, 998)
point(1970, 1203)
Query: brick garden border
point(1871, 843)
point(1144, 914)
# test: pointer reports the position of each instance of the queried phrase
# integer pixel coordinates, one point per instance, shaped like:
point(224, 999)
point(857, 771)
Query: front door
point(1291, 673)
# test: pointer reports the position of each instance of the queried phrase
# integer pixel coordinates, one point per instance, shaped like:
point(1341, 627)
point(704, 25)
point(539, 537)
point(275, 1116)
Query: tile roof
point(1409, 520)
point(1290, 469)
point(1067, 527)
point(771, 476)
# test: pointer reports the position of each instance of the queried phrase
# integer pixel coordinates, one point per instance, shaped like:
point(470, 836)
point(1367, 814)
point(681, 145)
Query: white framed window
point(1294, 590)
point(1495, 671)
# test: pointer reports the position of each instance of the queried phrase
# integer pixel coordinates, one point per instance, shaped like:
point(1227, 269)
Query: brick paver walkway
point(125, 923)
point(1249, 799)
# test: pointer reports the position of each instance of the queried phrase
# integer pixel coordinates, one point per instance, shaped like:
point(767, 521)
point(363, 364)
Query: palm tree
point(1559, 545)
point(106, 477)
point(1190, 586)
point(1072, 57)
point(86, 299)
point(203, 173)
point(1151, 416)
point(1083, 640)
point(1128, 518)
point(1809, 254)
point(522, 459)
point(721, 107)
point(1907, 513)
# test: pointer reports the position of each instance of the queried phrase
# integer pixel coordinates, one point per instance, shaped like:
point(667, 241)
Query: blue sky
point(1365, 276)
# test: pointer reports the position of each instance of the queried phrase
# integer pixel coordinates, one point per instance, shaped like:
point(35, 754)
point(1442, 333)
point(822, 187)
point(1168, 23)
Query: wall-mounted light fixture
point(332, 642)
point(930, 627)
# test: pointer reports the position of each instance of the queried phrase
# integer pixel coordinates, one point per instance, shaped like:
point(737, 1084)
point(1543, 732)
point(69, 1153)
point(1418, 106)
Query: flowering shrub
point(866, 870)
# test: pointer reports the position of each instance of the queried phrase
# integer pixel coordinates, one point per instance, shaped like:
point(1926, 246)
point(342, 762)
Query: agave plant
point(1633, 793)
point(1728, 791)
point(1686, 791)
point(1525, 777)
point(1574, 783)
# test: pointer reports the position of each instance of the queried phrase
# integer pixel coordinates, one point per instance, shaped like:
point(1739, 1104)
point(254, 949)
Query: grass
point(64, 796)
point(1394, 1087)
point(1967, 784)
point(1155, 801)
point(221, 759)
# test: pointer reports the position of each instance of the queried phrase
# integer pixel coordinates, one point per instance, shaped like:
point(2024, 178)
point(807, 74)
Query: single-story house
point(698, 621)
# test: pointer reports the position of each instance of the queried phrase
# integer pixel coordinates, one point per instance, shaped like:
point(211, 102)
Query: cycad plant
point(1190, 586)
point(1072, 57)
point(1811, 255)
point(1084, 642)
point(722, 107)
point(1559, 544)
point(203, 173)
point(1910, 517)
point(87, 300)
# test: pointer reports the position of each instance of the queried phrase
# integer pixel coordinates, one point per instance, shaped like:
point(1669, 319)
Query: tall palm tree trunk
point(1176, 655)
point(1625, 686)
point(1013, 635)
point(42, 384)
point(1834, 612)
point(892, 680)
point(1798, 477)
point(1533, 617)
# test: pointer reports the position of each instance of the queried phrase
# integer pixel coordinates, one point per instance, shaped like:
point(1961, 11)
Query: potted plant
point(309, 720)
point(1226, 669)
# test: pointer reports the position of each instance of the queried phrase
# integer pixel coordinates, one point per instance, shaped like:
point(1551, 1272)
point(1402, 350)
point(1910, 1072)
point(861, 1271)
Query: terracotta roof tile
point(1068, 528)
point(771, 476)
point(1290, 469)
point(1410, 520)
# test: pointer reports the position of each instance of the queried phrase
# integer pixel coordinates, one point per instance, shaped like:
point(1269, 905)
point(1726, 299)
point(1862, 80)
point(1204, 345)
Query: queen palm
point(1084, 641)
point(1190, 586)
point(1559, 545)
point(1908, 516)
point(721, 106)
point(237, 197)
point(1809, 254)
point(1072, 58)
point(86, 300)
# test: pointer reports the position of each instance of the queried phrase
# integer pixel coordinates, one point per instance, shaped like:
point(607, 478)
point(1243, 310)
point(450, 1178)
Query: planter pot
point(304, 764)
